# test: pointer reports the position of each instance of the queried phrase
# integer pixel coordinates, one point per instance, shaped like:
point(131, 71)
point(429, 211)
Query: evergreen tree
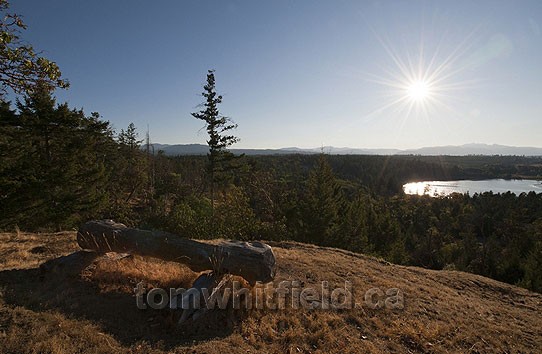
point(132, 167)
point(129, 137)
point(57, 176)
point(322, 204)
point(533, 262)
point(218, 128)
point(127, 185)
point(353, 229)
point(12, 149)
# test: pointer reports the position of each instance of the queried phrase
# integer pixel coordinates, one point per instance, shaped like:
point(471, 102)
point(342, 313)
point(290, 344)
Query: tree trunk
point(254, 261)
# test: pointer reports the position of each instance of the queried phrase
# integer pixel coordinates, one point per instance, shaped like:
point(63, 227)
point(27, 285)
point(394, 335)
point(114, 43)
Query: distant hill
point(458, 150)
point(200, 149)
point(476, 149)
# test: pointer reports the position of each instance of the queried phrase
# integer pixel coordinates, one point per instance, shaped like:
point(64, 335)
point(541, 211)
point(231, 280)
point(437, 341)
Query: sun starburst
point(421, 83)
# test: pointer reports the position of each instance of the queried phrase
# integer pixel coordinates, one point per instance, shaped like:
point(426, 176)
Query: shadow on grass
point(58, 286)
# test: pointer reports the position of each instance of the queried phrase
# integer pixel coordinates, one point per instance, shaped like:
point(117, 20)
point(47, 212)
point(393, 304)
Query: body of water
point(435, 188)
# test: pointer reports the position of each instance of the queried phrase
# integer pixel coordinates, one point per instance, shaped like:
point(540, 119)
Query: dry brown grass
point(94, 310)
point(28, 250)
point(122, 275)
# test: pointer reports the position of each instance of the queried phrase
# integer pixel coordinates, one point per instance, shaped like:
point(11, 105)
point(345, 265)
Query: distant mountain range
point(458, 150)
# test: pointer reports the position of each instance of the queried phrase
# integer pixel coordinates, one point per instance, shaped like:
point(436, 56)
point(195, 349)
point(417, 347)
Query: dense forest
point(60, 167)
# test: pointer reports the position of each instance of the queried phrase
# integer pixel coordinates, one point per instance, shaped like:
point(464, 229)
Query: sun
point(421, 81)
point(419, 90)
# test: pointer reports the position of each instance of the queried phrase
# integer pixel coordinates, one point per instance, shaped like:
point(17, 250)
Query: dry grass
point(26, 250)
point(123, 275)
point(92, 308)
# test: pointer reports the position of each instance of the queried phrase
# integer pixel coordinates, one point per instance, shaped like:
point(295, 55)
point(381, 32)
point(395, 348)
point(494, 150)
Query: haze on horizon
point(372, 74)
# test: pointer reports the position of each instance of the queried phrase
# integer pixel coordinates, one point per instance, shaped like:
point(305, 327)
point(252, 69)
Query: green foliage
point(215, 123)
point(129, 176)
point(190, 218)
point(54, 173)
point(532, 266)
point(353, 229)
point(234, 217)
point(217, 127)
point(398, 252)
point(321, 205)
point(21, 68)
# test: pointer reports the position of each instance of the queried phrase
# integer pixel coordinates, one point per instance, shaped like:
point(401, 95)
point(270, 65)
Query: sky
point(365, 74)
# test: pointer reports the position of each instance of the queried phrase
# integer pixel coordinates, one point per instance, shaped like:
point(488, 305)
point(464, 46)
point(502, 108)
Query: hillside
point(93, 309)
point(449, 150)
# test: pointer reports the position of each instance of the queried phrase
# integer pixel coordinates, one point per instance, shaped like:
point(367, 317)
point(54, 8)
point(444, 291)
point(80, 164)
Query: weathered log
point(254, 261)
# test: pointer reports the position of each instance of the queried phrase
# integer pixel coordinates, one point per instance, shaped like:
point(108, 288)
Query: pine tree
point(58, 175)
point(218, 128)
point(131, 166)
point(129, 137)
point(353, 229)
point(322, 204)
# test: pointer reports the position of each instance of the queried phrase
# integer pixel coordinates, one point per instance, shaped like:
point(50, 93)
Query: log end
point(93, 235)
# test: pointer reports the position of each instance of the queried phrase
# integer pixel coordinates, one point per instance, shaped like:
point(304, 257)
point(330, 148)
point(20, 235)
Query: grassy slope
point(93, 310)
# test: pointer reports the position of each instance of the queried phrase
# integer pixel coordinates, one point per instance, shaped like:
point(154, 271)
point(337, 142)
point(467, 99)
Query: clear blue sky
point(302, 73)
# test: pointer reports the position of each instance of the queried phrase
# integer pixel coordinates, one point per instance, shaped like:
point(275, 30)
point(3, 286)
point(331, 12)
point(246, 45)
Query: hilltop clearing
point(92, 309)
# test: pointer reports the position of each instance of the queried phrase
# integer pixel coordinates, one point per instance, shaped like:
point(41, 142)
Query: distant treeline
point(60, 167)
point(386, 174)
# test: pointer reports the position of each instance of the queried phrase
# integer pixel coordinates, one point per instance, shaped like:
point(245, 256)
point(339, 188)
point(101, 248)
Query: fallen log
point(253, 261)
